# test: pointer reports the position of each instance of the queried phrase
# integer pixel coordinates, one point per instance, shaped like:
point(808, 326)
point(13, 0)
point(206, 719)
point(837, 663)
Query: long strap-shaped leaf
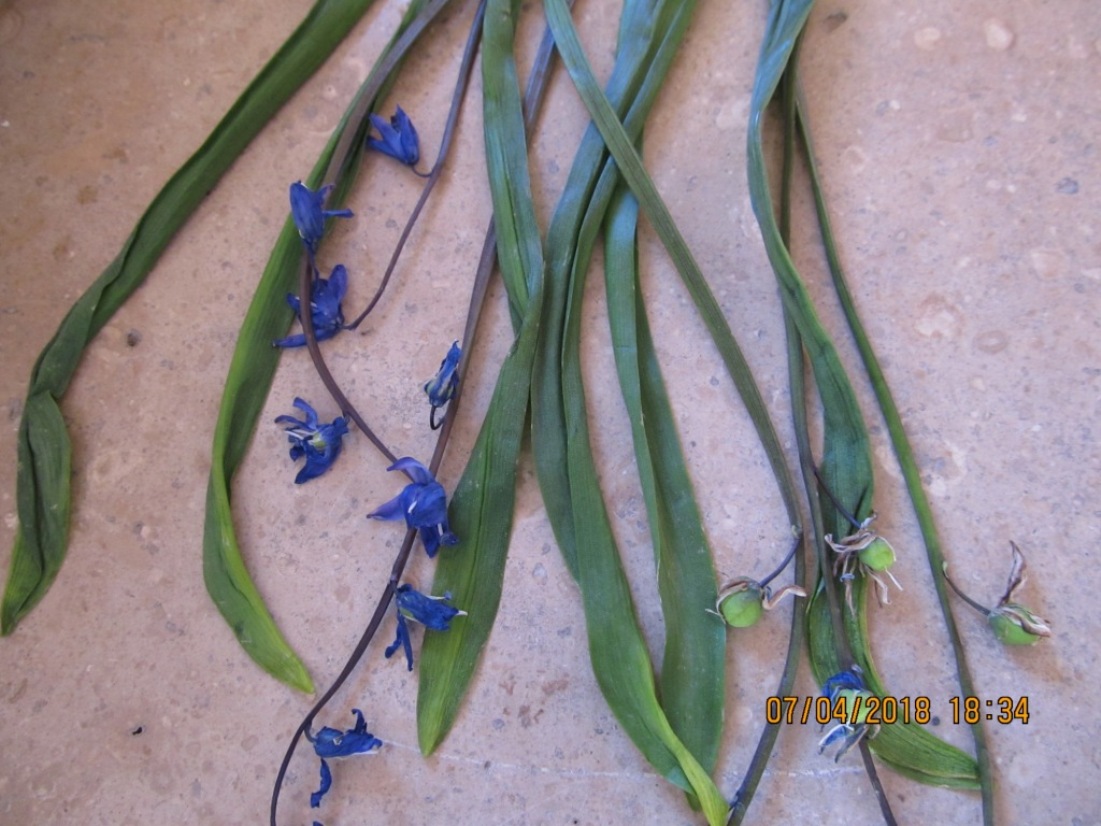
point(692, 671)
point(846, 464)
point(44, 451)
point(653, 207)
point(906, 460)
point(692, 678)
point(640, 24)
point(621, 661)
point(253, 367)
point(620, 658)
point(630, 165)
point(905, 746)
point(481, 510)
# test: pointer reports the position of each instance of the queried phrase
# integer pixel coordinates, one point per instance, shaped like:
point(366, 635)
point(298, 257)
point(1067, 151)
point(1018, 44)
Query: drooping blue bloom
point(330, 743)
point(309, 214)
point(325, 310)
point(398, 138)
point(849, 701)
point(847, 679)
point(422, 504)
point(431, 612)
point(319, 443)
point(441, 388)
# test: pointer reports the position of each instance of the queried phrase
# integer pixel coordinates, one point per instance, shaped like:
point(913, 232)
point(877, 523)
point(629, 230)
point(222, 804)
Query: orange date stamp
point(863, 708)
point(873, 711)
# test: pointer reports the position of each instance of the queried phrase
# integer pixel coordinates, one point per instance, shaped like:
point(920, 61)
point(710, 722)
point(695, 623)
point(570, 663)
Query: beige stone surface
point(958, 143)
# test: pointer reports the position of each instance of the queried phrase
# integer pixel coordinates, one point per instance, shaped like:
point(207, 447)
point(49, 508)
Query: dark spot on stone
point(1067, 186)
point(835, 20)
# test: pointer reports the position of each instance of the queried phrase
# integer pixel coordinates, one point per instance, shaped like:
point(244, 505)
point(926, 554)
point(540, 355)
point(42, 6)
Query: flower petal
point(326, 784)
point(401, 639)
point(320, 444)
point(431, 612)
point(311, 414)
point(413, 469)
point(441, 388)
point(309, 214)
point(427, 507)
point(848, 679)
point(389, 512)
point(330, 742)
point(398, 138)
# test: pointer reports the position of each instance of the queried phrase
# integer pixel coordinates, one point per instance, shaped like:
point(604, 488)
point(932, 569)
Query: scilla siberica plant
point(674, 714)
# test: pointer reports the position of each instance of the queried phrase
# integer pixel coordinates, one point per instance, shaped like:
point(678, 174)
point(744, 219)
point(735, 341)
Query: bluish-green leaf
point(43, 478)
point(481, 510)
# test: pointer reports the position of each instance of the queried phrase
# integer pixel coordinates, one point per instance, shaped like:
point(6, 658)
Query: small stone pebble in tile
point(999, 36)
point(927, 38)
point(992, 341)
point(1046, 262)
point(855, 157)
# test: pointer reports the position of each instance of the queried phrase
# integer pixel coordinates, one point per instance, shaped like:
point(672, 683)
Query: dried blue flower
point(441, 388)
point(330, 743)
point(325, 310)
point(398, 138)
point(849, 679)
point(849, 700)
point(422, 504)
point(319, 443)
point(309, 214)
point(431, 612)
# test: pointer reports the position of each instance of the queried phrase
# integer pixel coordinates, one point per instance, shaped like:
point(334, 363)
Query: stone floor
point(958, 147)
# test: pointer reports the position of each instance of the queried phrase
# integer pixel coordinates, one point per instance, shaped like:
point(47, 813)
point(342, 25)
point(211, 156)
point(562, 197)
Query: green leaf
point(692, 672)
point(253, 368)
point(43, 478)
point(473, 571)
point(627, 160)
point(481, 510)
point(846, 464)
point(905, 454)
point(908, 748)
point(641, 33)
point(692, 676)
point(618, 651)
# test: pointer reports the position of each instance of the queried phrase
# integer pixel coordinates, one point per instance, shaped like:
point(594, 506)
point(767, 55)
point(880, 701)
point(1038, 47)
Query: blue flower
point(849, 679)
point(330, 743)
point(319, 443)
point(325, 310)
point(431, 612)
point(422, 504)
point(398, 138)
point(848, 704)
point(441, 388)
point(309, 214)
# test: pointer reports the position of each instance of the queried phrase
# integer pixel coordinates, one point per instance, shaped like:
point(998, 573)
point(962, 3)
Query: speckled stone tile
point(957, 143)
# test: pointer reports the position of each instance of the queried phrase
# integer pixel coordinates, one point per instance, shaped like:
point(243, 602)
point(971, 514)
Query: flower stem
point(841, 509)
point(795, 545)
point(980, 608)
point(905, 455)
point(433, 175)
point(537, 84)
point(810, 469)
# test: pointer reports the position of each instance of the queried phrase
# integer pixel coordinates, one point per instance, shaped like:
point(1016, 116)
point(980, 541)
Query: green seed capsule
point(879, 555)
point(740, 603)
point(1014, 624)
point(856, 712)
